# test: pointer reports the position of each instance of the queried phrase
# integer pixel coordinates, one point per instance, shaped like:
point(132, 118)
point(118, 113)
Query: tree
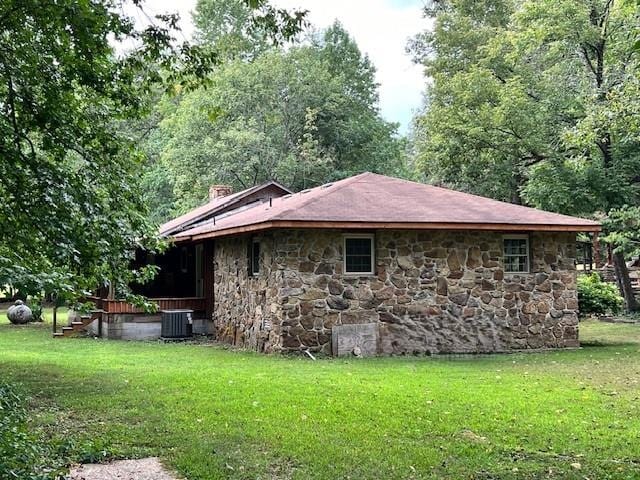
point(71, 211)
point(622, 229)
point(533, 102)
point(226, 25)
point(304, 116)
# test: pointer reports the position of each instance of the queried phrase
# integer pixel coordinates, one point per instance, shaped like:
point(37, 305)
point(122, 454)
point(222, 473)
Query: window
point(254, 257)
point(358, 254)
point(516, 254)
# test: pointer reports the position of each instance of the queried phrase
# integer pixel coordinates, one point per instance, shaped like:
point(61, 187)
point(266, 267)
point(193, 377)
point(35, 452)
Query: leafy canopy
point(532, 101)
point(304, 116)
point(71, 211)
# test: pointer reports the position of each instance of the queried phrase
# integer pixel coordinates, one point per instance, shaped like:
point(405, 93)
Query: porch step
point(79, 326)
point(68, 331)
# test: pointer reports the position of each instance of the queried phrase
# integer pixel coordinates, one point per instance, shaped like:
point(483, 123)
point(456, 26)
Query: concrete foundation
point(139, 326)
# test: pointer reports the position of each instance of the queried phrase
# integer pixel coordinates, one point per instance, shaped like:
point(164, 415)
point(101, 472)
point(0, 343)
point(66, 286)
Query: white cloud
point(380, 27)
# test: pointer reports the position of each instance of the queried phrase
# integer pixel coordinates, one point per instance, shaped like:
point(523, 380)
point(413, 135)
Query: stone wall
point(433, 292)
point(245, 306)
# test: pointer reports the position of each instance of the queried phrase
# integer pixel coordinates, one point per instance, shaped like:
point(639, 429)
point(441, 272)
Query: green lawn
point(213, 413)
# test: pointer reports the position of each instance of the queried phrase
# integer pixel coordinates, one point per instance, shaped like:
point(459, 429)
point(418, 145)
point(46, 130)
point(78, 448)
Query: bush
point(598, 297)
point(23, 454)
point(36, 310)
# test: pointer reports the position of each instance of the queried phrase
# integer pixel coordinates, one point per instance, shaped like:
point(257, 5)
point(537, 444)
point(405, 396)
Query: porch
point(119, 319)
point(111, 306)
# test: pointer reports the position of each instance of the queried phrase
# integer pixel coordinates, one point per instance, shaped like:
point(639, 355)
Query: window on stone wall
point(358, 254)
point(516, 253)
point(254, 256)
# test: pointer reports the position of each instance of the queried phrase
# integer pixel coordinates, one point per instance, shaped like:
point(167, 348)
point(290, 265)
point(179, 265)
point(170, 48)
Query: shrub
point(596, 296)
point(36, 310)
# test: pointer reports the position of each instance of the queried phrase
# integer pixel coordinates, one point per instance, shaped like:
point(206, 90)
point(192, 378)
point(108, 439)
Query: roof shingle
point(217, 205)
point(370, 200)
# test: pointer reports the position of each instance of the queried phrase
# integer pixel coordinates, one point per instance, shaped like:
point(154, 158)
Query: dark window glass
point(255, 258)
point(358, 255)
point(516, 255)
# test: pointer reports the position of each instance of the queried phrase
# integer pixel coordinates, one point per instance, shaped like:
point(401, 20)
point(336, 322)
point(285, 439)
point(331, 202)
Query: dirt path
point(143, 469)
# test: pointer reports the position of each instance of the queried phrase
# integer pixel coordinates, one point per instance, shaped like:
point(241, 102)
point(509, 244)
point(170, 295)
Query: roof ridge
point(343, 182)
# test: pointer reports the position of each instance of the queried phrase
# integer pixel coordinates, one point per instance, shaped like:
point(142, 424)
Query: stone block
point(474, 257)
point(459, 298)
point(337, 303)
point(313, 294)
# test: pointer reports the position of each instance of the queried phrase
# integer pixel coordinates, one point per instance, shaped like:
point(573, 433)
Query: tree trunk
point(624, 282)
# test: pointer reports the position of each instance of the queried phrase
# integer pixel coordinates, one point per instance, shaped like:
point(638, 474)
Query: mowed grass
point(213, 413)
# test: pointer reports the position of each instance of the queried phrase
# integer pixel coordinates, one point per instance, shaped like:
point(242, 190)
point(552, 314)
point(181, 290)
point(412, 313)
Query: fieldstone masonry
point(432, 292)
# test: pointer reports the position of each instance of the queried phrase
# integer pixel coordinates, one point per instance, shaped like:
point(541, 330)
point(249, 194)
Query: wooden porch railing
point(122, 306)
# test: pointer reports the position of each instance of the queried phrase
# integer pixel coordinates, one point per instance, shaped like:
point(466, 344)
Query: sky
point(380, 27)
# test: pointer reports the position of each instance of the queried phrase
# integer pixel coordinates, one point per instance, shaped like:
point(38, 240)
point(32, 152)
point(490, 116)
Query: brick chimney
point(217, 191)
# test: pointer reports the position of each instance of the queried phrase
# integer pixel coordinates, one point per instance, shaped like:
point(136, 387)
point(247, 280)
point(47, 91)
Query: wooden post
point(55, 318)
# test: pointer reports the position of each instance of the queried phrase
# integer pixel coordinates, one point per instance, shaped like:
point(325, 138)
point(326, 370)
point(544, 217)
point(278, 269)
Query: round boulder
point(19, 313)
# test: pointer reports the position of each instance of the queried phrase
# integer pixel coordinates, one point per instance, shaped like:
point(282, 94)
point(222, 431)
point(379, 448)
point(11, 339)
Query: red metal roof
point(214, 206)
point(370, 200)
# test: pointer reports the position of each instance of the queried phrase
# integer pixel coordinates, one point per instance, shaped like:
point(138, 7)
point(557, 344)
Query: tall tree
point(303, 116)
point(533, 101)
point(71, 212)
point(226, 25)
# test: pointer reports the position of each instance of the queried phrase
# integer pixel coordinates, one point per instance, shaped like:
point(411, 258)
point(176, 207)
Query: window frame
point(252, 271)
point(525, 237)
point(348, 236)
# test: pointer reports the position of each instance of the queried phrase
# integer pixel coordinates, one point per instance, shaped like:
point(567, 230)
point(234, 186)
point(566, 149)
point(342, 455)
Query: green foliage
point(532, 101)
point(622, 230)
point(304, 116)
point(71, 207)
point(23, 454)
point(35, 304)
point(597, 297)
point(226, 26)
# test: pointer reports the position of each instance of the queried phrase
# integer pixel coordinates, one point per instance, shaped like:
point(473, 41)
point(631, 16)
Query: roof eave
point(167, 233)
point(502, 227)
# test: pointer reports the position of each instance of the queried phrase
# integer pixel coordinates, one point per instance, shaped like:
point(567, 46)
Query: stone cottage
point(378, 265)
